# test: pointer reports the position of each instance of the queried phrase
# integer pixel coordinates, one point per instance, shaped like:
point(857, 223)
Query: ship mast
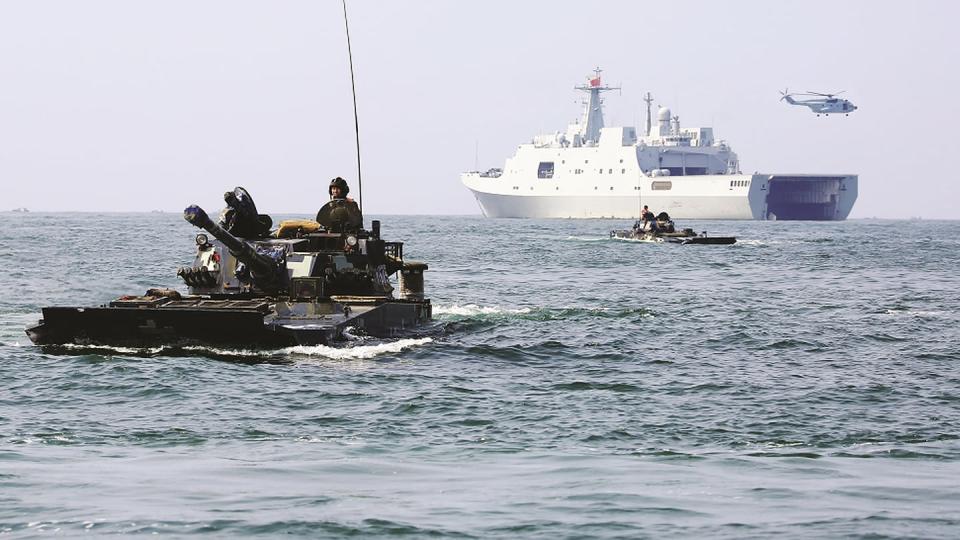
point(649, 99)
point(593, 113)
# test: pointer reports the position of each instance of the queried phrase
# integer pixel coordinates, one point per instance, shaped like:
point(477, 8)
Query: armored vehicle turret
point(302, 283)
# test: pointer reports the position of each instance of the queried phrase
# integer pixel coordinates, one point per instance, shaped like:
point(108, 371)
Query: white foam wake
point(335, 353)
point(469, 310)
point(913, 313)
point(589, 238)
point(640, 240)
point(358, 352)
point(92, 348)
point(159, 350)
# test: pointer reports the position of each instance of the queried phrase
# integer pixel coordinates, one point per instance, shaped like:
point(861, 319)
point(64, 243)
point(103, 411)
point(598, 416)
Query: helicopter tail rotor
point(786, 95)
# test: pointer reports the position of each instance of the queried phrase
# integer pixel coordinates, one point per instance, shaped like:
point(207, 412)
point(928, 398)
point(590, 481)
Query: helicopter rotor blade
point(826, 95)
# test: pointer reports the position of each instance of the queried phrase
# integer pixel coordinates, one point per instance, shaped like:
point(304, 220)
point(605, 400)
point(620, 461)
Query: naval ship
point(593, 171)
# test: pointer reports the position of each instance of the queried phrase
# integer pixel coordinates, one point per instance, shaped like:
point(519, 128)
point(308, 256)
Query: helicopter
point(822, 104)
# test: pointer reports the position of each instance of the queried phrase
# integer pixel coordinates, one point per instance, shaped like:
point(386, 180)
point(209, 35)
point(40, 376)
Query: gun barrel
point(261, 267)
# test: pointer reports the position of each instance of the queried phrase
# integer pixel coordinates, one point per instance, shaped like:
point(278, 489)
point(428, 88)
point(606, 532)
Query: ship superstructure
point(593, 171)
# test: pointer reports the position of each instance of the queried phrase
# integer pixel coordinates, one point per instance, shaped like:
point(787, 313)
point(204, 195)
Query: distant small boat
point(21, 209)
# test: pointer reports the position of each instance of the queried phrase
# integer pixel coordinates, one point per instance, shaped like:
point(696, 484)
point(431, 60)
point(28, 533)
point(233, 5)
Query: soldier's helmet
point(340, 183)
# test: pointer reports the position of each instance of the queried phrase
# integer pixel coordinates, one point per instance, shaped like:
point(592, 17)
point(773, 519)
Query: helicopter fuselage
point(824, 106)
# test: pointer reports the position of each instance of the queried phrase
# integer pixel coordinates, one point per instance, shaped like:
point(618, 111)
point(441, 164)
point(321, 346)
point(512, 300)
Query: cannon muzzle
point(263, 269)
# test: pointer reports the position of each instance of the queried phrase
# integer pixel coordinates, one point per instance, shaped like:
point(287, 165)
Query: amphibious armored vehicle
point(664, 230)
point(303, 283)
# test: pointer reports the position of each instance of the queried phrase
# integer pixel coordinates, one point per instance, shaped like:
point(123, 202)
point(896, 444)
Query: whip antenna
point(356, 121)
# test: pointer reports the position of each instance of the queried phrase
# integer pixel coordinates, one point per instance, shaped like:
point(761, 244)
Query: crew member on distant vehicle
point(646, 216)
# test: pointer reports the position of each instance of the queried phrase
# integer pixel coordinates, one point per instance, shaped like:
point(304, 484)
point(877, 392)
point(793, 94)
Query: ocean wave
point(805, 455)
point(588, 238)
point(539, 313)
point(588, 385)
point(912, 312)
point(231, 528)
point(791, 343)
point(113, 349)
point(635, 240)
point(899, 453)
point(470, 310)
point(324, 351)
point(357, 352)
point(597, 312)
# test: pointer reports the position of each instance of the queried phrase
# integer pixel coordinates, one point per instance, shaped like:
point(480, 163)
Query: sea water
point(804, 382)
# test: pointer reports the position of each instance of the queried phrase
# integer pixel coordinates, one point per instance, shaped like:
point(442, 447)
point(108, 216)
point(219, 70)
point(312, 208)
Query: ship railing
point(393, 250)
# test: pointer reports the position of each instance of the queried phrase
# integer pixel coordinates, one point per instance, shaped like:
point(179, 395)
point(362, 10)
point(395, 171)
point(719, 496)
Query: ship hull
point(734, 197)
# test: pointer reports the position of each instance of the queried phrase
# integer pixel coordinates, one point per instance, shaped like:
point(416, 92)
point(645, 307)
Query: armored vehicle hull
point(255, 323)
point(685, 237)
point(662, 229)
point(304, 283)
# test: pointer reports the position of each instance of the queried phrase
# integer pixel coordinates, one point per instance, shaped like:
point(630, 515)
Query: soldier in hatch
point(339, 189)
point(344, 212)
point(646, 216)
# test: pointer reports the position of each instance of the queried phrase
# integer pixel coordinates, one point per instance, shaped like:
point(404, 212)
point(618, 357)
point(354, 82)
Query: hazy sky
point(131, 105)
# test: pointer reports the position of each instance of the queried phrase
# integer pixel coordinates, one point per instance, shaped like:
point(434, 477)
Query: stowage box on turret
point(304, 283)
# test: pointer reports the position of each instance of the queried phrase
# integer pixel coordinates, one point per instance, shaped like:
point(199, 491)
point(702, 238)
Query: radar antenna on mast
point(593, 113)
point(649, 99)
